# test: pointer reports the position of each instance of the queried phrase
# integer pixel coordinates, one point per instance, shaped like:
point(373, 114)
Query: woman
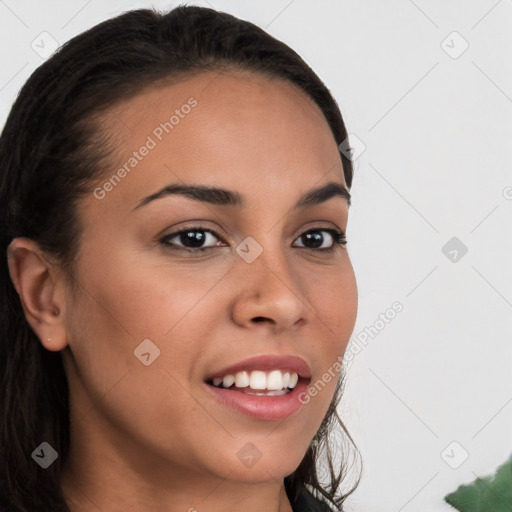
point(177, 292)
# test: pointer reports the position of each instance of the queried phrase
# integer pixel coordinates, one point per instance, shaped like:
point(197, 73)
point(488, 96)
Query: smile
point(259, 383)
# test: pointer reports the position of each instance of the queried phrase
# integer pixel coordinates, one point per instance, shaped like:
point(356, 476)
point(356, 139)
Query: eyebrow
point(223, 197)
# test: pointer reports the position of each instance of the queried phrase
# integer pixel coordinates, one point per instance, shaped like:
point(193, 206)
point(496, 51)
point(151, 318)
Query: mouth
point(257, 382)
point(266, 387)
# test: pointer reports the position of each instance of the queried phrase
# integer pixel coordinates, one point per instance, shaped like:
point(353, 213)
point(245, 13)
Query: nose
point(270, 293)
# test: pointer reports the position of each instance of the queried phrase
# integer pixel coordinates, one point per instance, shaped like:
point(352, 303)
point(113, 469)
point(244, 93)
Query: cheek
point(124, 301)
point(334, 298)
point(336, 304)
point(129, 295)
point(118, 309)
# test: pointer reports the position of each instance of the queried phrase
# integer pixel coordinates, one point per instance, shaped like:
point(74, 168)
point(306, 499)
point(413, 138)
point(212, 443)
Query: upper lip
point(267, 362)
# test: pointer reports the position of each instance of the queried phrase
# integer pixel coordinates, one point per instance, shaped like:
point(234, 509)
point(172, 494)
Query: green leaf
point(488, 494)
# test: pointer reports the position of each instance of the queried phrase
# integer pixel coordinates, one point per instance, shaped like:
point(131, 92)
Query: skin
point(149, 437)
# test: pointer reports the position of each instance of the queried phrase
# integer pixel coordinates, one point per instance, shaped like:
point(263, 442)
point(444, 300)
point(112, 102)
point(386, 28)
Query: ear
point(41, 289)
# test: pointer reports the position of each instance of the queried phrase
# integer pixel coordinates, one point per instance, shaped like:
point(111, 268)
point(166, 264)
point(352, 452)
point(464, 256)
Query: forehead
point(245, 131)
point(225, 89)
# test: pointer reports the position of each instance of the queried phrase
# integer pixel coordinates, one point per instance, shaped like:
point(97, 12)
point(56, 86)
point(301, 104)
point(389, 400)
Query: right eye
point(191, 239)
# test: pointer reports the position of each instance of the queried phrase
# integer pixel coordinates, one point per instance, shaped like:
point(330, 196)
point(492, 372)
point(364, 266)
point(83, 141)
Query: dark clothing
point(306, 502)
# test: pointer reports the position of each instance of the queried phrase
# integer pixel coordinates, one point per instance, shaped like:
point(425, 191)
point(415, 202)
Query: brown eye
point(313, 239)
point(191, 239)
point(194, 240)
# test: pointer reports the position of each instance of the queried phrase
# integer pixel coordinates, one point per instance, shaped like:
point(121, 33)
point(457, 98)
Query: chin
point(262, 473)
point(261, 460)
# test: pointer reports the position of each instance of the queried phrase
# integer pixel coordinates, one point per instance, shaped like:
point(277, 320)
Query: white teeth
point(258, 380)
point(241, 379)
point(274, 381)
point(228, 381)
point(267, 393)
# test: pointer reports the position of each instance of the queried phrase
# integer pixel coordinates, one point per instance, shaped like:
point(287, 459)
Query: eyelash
point(339, 239)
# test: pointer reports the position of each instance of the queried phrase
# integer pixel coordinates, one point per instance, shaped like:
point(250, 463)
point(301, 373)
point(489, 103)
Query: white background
point(436, 164)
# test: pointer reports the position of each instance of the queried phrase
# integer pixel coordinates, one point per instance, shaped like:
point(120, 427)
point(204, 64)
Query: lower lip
point(271, 408)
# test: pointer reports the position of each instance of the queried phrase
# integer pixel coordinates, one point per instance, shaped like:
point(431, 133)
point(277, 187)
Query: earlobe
point(36, 280)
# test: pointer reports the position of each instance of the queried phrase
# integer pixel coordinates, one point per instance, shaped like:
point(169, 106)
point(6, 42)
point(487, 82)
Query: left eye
point(316, 238)
point(192, 239)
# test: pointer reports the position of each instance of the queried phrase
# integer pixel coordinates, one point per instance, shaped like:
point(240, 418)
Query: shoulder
point(309, 501)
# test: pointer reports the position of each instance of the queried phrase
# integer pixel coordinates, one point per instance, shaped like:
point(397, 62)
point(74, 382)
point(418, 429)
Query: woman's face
point(260, 288)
